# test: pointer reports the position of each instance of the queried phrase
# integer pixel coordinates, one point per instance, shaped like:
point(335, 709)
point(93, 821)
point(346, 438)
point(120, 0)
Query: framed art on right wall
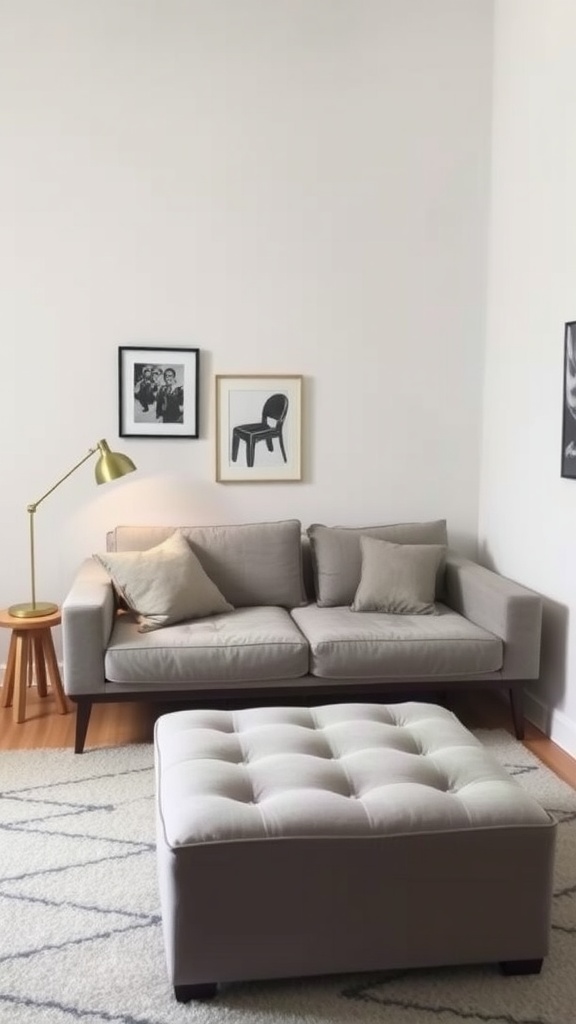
point(569, 403)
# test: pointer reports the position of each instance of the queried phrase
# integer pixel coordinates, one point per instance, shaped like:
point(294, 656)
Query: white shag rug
point(80, 937)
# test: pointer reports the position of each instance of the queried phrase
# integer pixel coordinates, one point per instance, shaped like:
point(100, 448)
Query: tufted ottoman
point(347, 837)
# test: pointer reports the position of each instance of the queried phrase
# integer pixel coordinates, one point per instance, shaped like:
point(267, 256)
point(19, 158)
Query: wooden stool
point(31, 653)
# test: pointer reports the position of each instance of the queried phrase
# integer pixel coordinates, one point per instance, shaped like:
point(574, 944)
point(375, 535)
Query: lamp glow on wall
point(110, 466)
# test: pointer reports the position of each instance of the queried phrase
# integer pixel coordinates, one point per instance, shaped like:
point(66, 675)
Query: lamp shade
point(111, 465)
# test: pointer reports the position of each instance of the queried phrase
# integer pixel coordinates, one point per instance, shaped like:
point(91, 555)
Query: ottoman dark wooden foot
point(184, 993)
point(510, 967)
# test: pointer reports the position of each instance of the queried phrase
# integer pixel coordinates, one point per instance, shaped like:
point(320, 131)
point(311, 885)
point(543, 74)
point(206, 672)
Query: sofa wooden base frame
point(228, 698)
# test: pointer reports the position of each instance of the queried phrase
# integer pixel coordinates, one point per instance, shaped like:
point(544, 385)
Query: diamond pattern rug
point(80, 936)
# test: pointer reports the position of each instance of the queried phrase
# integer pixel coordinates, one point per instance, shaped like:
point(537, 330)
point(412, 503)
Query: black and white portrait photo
point(569, 403)
point(158, 392)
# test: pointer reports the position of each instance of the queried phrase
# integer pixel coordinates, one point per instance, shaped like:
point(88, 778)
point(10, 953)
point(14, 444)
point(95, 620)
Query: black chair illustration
point(270, 426)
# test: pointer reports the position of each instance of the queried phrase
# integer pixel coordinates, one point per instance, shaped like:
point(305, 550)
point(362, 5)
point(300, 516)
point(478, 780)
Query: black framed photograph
point(158, 391)
point(258, 428)
point(569, 402)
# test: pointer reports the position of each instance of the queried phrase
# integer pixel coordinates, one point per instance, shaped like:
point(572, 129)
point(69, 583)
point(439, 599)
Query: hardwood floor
point(485, 710)
point(117, 724)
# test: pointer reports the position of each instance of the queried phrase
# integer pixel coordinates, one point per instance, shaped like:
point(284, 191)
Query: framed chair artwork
point(258, 428)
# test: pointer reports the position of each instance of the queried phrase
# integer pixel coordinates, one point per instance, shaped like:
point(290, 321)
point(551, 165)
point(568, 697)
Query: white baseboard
point(553, 723)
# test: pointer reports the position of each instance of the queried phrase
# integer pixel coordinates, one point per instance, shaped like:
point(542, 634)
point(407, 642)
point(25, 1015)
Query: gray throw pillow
point(337, 558)
point(165, 584)
point(399, 579)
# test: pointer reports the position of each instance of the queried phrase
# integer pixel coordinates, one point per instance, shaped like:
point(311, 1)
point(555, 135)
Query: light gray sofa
point(291, 634)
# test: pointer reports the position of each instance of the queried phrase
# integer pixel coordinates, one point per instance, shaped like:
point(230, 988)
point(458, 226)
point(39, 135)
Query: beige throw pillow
point(398, 578)
point(165, 584)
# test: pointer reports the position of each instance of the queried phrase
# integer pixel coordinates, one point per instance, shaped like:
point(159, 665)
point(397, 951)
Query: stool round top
point(8, 621)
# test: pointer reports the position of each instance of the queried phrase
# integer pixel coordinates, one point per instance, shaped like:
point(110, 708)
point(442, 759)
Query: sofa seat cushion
point(245, 645)
point(376, 645)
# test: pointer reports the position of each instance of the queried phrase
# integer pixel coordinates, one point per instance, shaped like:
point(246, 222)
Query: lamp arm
point(110, 466)
point(31, 509)
point(34, 505)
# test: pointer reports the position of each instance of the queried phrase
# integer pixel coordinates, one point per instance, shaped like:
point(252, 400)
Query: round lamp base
point(32, 611)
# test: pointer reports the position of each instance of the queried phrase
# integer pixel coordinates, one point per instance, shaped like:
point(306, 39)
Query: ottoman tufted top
point(345, 770)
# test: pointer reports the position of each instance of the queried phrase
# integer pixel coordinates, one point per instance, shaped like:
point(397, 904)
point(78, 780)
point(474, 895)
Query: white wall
point(527, 512)
point(297, 186)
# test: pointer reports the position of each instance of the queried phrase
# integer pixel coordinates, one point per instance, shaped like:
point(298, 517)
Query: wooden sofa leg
point(517, 707)
point(83, 709)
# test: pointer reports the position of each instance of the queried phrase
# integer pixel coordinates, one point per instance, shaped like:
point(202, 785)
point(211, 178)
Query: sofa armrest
point(507, 609)
point(87, 618)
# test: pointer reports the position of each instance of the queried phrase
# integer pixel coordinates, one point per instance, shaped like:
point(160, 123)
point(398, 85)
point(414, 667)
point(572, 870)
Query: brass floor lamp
point(110, 466)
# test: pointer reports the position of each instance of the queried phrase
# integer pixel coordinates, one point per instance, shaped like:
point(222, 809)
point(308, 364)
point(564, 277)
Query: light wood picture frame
point(258, 428)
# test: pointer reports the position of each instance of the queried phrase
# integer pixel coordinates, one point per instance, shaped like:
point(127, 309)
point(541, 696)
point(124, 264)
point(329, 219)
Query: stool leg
point(53, 672)
point(39, 665)
point(8, 685)
point(21, 664)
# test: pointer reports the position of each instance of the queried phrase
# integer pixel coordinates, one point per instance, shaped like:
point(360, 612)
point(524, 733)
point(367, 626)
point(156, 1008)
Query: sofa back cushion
point(337, 556)
point(251, 564)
